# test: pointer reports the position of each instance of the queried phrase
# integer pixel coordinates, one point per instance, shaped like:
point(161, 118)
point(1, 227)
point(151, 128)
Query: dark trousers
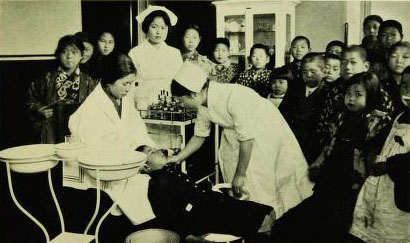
point(188, 209)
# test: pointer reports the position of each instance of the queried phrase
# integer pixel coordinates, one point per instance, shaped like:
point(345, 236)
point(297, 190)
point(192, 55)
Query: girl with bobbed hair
point(156, 62)
point(191, 39)
point(56, 94)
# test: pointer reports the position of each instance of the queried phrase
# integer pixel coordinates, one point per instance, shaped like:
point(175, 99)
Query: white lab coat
point(97, 123)
point(156, 69)
point(277, 172)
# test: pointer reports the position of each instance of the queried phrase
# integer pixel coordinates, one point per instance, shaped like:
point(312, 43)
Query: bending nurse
point(269, 165)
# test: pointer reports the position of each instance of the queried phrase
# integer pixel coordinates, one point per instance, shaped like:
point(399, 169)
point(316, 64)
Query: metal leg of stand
point(21, 207)
point(216, 154)
point(97, 204)
point(97, 229)
point(60, 214)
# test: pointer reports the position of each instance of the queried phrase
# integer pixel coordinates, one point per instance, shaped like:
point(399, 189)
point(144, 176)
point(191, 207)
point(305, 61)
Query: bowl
point(70, 151)
point(153, 236)
point(113, 174)
point(33, 167)
point(112, 165)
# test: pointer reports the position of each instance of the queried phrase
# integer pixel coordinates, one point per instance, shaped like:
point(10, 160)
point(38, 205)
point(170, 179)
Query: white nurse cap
point(191, 77)
point(172, 17)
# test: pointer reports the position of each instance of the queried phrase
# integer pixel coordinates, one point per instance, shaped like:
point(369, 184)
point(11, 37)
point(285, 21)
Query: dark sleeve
point(36, 98)
point(398, 168)
point(287, 106)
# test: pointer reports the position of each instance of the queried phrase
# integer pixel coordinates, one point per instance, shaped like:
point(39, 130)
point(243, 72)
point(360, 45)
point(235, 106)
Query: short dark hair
point(332, 56)
point(314, 57)
point(391, 23)
point(222, 40)
point(85, 37)
point(115, 66)
point(68, 40)
point(369, 18)
point(284, 73)
point(336, 43)
point(260, 46)
point(371, 83)
point(397, 45)
point(157, 13)
point(194, 27)
point(298, 38)
point(360, 50)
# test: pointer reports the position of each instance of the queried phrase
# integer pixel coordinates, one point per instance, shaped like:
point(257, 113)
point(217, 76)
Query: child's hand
point(46, 112)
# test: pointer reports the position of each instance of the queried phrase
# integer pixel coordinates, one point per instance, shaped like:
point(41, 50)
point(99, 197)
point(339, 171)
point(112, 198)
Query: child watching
point(299, 47)
point(382, 211)
point(371, 26)
point(301, 106)
point(336, 47)
point(332, 64)
point(279, 87)
point(224, 71)
point(390, 32)
point(257, 77)
point(398, 59)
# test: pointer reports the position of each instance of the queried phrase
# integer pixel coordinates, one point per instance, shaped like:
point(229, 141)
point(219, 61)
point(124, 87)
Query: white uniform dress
point(156, 68)
point(97, 123)
point(277, 172)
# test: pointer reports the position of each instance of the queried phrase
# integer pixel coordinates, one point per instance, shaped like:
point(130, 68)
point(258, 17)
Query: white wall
point(321, 22)
point(399, 11)
point(30, 27)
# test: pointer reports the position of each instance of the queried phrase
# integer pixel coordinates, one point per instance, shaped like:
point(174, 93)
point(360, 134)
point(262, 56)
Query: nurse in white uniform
point(156, 62)
point(269, 165)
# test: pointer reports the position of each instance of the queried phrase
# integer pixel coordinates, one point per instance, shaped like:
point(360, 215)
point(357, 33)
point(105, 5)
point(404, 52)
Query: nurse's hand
point(237, 184)
point(46, 112)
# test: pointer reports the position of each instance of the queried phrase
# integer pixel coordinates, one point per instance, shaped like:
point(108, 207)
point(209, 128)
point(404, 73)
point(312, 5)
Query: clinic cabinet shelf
point(246, 22)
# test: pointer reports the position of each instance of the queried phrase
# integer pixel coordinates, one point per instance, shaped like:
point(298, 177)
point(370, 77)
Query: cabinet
point(245, 22)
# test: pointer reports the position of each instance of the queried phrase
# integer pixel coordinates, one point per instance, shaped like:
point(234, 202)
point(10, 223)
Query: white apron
point(155, 71)
point(96, 123)
point(277, 172)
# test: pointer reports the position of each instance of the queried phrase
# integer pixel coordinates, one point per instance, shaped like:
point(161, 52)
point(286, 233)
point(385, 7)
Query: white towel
point(133, 199)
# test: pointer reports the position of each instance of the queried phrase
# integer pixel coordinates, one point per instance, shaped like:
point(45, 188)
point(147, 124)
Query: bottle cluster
point(169, 108)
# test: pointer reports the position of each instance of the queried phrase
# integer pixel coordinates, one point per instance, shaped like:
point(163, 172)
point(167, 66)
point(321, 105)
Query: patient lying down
point(190, 209)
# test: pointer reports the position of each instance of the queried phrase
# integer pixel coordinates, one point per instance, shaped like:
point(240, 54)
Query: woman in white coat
point(269, 165)
point(156, 62)
point(107, 121)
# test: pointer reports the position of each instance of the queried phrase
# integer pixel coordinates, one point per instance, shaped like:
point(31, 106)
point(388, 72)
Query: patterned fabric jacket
point(256, 80)
point(42, 92)
point(224, 73)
